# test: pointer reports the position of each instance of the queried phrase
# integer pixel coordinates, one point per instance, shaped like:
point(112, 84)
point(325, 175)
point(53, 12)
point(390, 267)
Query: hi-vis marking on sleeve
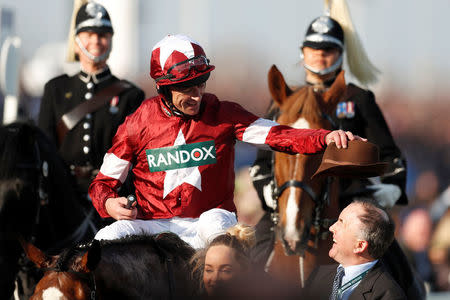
point(181, 156)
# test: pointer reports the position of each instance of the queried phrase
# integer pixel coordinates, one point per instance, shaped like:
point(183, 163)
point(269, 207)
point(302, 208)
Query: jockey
point(180, 145)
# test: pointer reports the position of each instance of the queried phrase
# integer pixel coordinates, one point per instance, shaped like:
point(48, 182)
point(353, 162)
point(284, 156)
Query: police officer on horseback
point(323, 49)
point(327, 39)
point(81, 113)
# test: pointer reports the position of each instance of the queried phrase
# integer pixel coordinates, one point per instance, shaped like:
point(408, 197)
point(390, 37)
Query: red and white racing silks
point(185, 166)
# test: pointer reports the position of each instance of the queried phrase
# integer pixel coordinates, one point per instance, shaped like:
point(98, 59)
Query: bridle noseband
point(294, 183)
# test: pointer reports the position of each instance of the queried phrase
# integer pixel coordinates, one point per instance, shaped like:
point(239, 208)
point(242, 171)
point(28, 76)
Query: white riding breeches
point(197, 232)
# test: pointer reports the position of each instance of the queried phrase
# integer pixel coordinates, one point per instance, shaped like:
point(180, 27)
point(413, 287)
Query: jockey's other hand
point(116, 208)
point(340, 138)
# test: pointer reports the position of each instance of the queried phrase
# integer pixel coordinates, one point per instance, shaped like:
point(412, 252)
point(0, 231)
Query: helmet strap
point(325, 71)
point(94, 58)
point(166, 96)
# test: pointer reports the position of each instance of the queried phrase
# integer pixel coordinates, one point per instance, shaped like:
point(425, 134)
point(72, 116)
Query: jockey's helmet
point(179, 60)
point(325, 32)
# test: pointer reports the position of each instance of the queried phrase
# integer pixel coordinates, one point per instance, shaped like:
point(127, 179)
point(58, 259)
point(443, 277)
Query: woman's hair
point(240, 237)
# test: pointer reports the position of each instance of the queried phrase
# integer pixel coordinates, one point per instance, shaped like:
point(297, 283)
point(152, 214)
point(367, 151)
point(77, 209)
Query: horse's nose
point(292, 244)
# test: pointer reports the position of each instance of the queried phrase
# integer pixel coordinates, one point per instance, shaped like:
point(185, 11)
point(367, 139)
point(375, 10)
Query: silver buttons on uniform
point(88, 96)
point(88, 116)
point(86, 137)
point(90, 85)
point(86, 149)
point(86, 125)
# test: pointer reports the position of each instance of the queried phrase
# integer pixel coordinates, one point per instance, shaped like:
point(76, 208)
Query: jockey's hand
point(116, 208)
point(340, 138)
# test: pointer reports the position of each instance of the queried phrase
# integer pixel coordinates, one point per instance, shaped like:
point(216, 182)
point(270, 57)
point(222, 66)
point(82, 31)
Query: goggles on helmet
point(182, 69)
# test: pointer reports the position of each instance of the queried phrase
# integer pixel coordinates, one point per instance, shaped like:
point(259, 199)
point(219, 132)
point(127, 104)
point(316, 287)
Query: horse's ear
point(336, 92)
point(40, 259)
point(91, 258)
point(277, 86)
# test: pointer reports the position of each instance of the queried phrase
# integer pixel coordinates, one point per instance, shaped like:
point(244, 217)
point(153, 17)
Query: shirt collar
point(353, 271)
point(96, 77)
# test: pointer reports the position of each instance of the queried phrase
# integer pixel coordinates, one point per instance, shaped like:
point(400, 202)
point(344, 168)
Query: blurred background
point(407, 40)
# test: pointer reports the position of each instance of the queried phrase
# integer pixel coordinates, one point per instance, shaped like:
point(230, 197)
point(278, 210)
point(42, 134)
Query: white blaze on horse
point(305, 206)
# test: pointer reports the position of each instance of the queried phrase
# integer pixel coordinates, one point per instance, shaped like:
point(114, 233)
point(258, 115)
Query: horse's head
point(68, 275)
point(300, 198)
point(133, 267)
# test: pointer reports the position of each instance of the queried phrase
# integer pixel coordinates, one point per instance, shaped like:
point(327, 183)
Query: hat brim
point(351, 170)
point(320, 45)
point(96, 29)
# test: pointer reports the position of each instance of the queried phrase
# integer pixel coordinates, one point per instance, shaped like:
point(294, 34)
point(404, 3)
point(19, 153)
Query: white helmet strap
point(325, 71)
point(94, 58)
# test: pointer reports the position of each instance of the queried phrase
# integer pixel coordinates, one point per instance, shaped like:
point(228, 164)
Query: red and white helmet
point(176, 59)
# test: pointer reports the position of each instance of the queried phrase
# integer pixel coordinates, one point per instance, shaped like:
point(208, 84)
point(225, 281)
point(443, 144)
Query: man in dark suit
point(361, 235)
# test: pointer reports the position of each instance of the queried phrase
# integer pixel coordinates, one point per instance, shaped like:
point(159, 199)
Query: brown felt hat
point(359, 159)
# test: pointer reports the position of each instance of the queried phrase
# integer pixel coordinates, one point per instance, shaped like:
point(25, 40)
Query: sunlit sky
point(407, 40)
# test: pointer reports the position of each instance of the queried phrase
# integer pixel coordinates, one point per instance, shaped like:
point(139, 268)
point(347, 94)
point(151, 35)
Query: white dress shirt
point(352, 272)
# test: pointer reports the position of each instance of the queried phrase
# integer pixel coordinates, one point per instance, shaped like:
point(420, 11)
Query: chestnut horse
point(305, 207)
point(133, 267)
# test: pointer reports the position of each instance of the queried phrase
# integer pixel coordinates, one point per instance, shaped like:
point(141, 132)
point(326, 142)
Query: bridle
point(318, 223)
point(321, 201)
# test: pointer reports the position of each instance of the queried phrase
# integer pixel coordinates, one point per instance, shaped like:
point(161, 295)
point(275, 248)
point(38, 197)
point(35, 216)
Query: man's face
point(320, 59)
point(188, 99)
point(95, 43)
point(346, 233)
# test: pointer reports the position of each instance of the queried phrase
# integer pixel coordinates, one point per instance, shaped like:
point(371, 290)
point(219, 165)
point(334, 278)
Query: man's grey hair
point(377, 227)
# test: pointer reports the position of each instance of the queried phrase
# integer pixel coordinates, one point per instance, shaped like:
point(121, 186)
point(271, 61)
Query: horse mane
point(163, 244)
point(303, 102)
point(67, 259)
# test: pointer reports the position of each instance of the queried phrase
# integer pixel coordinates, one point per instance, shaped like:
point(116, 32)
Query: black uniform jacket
point(376, 284)
point(368, 122)
point(89, 140)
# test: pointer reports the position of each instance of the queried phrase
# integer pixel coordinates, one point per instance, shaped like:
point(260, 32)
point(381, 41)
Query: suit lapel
point(364, 288)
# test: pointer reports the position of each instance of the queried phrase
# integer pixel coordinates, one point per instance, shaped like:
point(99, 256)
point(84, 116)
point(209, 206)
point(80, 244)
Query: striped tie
point(337, 283)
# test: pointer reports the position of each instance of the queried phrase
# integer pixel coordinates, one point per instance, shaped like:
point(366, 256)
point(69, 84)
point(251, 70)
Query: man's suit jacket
point(377, 284)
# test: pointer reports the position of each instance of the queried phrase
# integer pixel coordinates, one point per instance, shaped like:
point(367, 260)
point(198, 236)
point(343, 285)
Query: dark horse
point(133, 267)
point(306, 206)
point(37, 202)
